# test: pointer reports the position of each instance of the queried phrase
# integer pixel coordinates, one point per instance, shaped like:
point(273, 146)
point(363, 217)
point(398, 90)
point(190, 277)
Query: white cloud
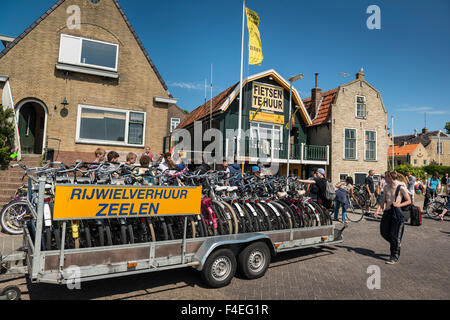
point(188, 85)
point(428, 110)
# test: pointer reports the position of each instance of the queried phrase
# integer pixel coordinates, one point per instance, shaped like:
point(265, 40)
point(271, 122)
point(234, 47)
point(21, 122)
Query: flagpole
point(240, 87)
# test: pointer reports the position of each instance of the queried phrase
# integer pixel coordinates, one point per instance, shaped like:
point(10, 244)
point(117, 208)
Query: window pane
point(136, 117)
point(102, 125)
point(99, 54)
point(135, 133)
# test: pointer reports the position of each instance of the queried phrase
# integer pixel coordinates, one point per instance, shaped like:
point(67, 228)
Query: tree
point(447, 127)
point(6, 134)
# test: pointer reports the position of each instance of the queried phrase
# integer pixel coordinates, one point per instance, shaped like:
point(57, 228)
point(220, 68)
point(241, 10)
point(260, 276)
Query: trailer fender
point(211, 244)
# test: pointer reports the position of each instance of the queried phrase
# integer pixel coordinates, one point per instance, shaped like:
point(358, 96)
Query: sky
point(407, 60)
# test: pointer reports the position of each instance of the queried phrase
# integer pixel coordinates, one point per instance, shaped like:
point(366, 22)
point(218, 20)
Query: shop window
point(99, 125)
point(89, 53)
point(267, 139)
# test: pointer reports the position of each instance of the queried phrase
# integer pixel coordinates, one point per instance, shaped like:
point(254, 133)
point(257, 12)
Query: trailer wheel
point(254, 260)
point(11, 293)
point(220, 268)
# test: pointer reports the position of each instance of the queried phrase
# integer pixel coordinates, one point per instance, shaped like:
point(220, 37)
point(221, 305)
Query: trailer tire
point(220, 268)
point(12, 293)
point(254, 260)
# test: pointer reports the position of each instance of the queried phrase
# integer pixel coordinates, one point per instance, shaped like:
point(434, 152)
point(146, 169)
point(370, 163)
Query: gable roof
point(403, 150)
point(222, 101)
point(328, 98)
point(424, 138)
point(204, 110)
point(11, 45)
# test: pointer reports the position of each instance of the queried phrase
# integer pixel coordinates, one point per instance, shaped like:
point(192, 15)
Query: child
point(99, 158)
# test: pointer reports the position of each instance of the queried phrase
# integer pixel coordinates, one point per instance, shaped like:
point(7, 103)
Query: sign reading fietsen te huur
point(108, 202)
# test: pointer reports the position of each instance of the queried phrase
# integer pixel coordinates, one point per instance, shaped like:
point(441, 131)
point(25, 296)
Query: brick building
point(78, 86)
point(352, 120)
point(436, 144)
point(174, 117)
point(414, 154)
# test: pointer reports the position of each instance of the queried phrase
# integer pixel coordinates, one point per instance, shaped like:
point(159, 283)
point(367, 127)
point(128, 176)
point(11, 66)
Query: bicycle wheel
point(253, 217)
point(264, 217)
point(244, 222)
point(354, 212)
point(224, 219)
point(434, 209)
point(235, 222)
point(10, 214)
point(130, 233)
point(275, 216)
point(285, 213)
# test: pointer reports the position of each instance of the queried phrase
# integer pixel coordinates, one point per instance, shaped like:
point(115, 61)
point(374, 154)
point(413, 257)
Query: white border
point(106, 142)
point(81, 49)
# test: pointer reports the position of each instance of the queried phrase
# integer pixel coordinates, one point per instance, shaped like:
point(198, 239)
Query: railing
point(315, 153)
point(298, 152)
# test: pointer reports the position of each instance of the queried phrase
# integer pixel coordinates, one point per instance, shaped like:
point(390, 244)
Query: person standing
point(444, 182)
point(411, 185)
point(370, 188)
point(381, 185)
point(433, 185)
point(343, 193)
point(393, 223)
point(321, 182)
point(148, 153)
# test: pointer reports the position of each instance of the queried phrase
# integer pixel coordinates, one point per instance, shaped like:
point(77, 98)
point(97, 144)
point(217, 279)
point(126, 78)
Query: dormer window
point(361, 107)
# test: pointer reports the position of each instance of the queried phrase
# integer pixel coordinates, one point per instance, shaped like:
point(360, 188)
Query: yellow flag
point(254, 41)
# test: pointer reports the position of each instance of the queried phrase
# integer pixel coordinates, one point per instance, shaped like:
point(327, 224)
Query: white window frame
point(272, 144)
point(171, 124)
point(376, 146)
point(440, 148)
point(106, 142)
point(79, 63)
point(356, 146)
point(341, 174)
point(356, 107)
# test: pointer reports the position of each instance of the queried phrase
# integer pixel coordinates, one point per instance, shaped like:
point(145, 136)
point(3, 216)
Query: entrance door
point(27, 129)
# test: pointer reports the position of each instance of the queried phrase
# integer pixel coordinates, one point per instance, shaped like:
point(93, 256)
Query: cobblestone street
point(334, 272)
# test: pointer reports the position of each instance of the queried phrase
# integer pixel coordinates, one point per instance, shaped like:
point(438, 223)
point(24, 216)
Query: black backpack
point(410, 212)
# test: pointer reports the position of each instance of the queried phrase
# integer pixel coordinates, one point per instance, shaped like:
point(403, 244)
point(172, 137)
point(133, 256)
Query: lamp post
point(291, 80)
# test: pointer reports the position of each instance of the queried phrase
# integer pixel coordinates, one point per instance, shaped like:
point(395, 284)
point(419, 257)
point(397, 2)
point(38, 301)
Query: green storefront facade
point(265, 120)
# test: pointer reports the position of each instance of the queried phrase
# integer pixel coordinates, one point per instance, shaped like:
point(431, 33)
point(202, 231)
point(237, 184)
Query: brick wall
point(344, 116)
point(30, 66)
point(174, 112)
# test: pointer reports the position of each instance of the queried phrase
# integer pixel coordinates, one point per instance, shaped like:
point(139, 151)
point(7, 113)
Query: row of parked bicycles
point(230, 205)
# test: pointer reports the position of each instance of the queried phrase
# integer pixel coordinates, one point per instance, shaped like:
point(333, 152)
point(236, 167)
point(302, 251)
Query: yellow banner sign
point(95, 202)
point(268, 98)
point(266, 117)
point(254, 38)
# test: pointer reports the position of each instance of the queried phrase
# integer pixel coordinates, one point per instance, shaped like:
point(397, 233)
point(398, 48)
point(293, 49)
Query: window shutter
point(69, 50)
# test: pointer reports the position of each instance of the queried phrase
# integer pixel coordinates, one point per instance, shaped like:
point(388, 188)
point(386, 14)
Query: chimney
point(316, 96)
point(360, 75)
point(424, 130)
point(415, 133)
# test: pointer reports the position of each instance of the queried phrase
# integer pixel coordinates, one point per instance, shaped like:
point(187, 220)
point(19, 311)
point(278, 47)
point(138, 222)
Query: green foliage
point(447, 127)
point(432, 168)
point(417, 172)
point(6, 134)
point(422, 172)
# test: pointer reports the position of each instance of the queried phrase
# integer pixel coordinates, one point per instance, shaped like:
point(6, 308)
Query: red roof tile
point(204, 110)
point(324, 114)
point(403, 150)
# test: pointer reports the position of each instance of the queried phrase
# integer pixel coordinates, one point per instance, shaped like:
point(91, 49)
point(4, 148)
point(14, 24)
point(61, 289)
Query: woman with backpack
point(343, 193)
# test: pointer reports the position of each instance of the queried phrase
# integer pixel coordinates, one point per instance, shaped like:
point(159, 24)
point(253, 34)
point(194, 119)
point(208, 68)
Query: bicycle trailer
point(216, 257)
